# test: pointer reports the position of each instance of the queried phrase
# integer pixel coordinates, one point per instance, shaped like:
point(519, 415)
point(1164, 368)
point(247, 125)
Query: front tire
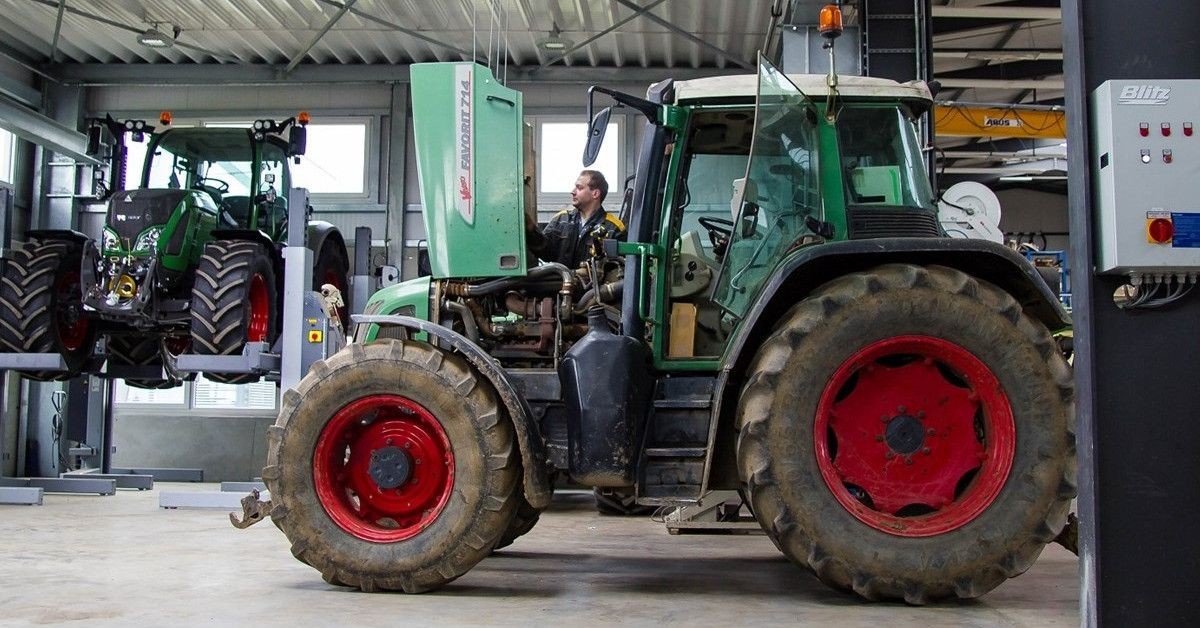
point(234, 301)
point(41, 306)
point(392, 467)
point(908, 433)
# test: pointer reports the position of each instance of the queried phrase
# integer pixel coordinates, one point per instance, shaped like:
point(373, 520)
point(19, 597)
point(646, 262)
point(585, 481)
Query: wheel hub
point(918, 436)
point(390, 467)
point(904, 434)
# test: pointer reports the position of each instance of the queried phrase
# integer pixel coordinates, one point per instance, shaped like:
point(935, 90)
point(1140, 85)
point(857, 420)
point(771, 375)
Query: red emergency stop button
point(1160, 230)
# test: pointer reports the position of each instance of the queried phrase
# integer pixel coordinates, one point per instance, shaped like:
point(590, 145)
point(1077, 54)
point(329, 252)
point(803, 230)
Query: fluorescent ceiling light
point(155, 38)
point(555, 42)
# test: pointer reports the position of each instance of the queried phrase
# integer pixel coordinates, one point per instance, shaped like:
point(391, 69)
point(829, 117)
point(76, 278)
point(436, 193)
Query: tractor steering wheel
point(719, 232)
point(210, 184)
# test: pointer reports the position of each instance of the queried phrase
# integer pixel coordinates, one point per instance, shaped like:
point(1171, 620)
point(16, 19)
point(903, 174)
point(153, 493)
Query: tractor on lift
point(188, 261)
point(786, 319)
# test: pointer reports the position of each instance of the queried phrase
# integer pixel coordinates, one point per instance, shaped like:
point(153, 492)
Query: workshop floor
point(123, 561)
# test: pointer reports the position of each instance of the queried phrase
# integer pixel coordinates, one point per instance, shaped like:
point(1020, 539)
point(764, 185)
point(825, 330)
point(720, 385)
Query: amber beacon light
point(830, 22)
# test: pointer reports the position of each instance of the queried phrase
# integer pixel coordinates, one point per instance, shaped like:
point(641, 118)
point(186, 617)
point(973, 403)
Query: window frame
point(188, 407)
point(7, 178)
point(551, 202)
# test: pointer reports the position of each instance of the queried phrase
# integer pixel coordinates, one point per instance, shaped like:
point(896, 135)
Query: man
point(570, 234)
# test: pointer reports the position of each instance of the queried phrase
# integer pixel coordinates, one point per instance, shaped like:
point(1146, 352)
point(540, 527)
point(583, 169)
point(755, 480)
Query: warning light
point(165, 118)
point(830, 22)
point(1168, 156)
point(302, 118)
point(1166, 129)
point(1144, 129)
point(1160, 230)
point(315, 336)
point(1187, 129)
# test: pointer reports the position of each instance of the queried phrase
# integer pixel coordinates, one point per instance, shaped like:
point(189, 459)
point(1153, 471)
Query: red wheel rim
point(914, 436)
point(72, 325)
point(353, 447)
point(260, 310)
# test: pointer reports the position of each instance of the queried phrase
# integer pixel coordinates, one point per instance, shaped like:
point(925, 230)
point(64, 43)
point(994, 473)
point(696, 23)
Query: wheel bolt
point(417, 461)
point(885, 418)
point(926, 451)
point(408, 445)
point(902, 409)
point(908, 460)
point(388, 441)
point(920, 414)
point(879, 438)
point(931, 431)
point(889, 455)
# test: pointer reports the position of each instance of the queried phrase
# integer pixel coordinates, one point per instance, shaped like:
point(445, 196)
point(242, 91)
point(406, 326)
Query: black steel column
point(1137, 374)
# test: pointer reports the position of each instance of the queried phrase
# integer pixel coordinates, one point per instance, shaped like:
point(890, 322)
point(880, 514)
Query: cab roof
point(745, 86)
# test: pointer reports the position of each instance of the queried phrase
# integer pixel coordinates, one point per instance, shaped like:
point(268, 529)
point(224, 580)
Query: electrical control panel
point(1146, 156)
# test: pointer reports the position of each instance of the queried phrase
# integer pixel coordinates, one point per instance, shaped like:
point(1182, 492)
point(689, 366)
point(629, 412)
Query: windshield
point(217, 159)
point(780, 194)
point(882, 158)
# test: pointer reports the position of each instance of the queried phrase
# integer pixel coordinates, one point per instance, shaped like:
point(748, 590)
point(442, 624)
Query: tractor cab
point(753, 170)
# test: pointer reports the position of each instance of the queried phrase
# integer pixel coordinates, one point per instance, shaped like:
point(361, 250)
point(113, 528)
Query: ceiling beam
point(43, 131)
point(999, 55)
point(636, 14)
point(153, 74)
point(317, 37)
point(998, 13)
point(690, 37)
point(1013, 70)
point(1015, 84)
point(20, 92)
point(397, 27)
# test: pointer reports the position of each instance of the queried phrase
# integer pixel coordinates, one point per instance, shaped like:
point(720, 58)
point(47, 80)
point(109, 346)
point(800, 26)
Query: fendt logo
point(1144, 95)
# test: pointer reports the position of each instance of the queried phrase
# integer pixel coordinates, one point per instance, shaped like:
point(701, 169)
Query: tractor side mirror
point(297, 140)
point(596, 136)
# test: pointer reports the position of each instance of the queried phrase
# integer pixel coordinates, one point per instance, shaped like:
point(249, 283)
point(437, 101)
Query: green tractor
point(189, 260)
point(786, 319)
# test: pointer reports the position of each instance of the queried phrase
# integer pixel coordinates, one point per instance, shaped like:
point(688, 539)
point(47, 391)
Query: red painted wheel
point(71, 324)
point(260, 310)
point(918, 436)
point(383, 468)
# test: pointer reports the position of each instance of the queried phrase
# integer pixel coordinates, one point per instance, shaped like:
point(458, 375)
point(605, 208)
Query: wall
point(1032, 211)
point(228, 448)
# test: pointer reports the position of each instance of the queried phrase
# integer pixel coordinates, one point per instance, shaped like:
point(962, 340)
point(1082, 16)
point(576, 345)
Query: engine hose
point(608, 292)
point(468, 318)
point(497, 285)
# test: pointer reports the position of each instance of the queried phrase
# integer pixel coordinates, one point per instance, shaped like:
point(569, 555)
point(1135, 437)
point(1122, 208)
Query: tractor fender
point(529, 439)
point(59, 234)
point(807, 269)
point(319, 232)
point(252, 235)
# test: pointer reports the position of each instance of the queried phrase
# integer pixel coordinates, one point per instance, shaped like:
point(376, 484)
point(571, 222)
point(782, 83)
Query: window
point(212, 395)
point(560, 153)
point(123, 394)
point(334, 160)
point(8, 148)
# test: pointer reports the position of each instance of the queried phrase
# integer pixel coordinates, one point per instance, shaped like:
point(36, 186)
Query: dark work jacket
point(566, 241)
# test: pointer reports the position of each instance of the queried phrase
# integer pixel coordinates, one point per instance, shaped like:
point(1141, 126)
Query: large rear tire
point(392, 467)
point(41, 306)
point(908, 433)
point(140, 351)
point(234, 301)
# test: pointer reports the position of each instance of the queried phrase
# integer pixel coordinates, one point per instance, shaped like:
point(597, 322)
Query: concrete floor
point(122, 561)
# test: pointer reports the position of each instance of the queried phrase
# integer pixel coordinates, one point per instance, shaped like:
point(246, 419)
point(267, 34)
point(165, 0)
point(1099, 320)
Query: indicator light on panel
point(1168, 156)
point(1144, 129)
point(1160, 231)
point(1166, 129)
point(1145, 155)
point(1187, 129)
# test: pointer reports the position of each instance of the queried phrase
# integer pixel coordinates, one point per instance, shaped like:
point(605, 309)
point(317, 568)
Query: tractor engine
point(532, 320)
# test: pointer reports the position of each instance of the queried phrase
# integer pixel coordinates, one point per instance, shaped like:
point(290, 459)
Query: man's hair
point(596, 181)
